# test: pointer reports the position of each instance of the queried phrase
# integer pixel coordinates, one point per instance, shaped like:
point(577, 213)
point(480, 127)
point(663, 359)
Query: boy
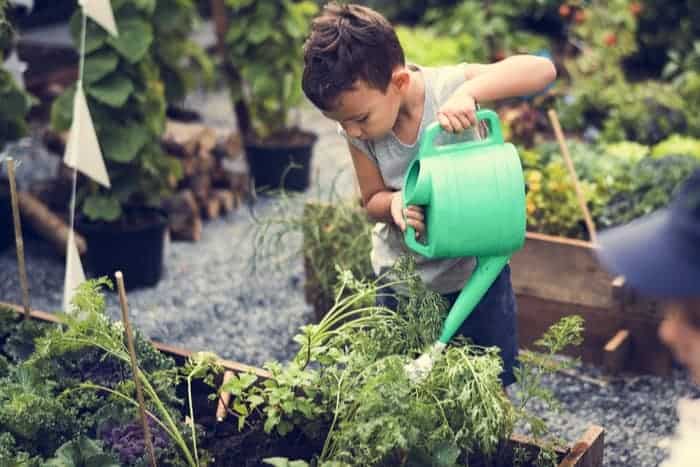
point(659, 255)
point(356, 74)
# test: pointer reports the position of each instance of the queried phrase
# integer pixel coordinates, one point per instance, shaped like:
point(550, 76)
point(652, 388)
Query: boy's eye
point(362, 119)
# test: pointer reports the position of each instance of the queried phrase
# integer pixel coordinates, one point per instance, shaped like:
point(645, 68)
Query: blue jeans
point(493, 323)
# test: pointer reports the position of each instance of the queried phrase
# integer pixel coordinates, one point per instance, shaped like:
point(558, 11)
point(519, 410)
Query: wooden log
point(212, 207)
point(226, 198)
point(617, 351)
point(184, 220)
point(47, 224)
point(200, 185)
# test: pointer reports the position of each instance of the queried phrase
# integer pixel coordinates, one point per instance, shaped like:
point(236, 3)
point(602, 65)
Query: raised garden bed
point(556, 276)
point(228, 447)
point(552, 277)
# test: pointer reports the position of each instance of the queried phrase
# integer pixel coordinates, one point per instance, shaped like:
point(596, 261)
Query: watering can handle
point(495, 135)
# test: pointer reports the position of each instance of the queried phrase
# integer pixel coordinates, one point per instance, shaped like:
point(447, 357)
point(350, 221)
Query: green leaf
point(82, 452)
point(114, 90)
point(62, 110)
point(122, 144)
point(99, 207)
point(446, 455)
point(99, 64)
point(95, 35)
point(135, 37)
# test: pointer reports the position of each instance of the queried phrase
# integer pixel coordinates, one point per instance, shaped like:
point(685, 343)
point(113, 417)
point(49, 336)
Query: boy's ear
point(401, 78)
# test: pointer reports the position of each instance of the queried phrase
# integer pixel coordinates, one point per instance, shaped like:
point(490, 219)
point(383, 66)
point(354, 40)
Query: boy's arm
point(376, 197)
point(518, 75)
point(381, 202)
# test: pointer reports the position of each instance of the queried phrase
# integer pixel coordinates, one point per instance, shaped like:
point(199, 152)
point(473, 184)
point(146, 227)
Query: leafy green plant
point(264, 43)
point(15, 102)
point(126, 100)
point(677, 145)
point(484, 33)
point(425, 47)
point(647, 187)
point(179, 58)
point(90, 328)
point(368, 411)
point(81, 452)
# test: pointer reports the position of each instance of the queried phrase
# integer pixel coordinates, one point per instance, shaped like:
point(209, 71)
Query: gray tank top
point(392, 158)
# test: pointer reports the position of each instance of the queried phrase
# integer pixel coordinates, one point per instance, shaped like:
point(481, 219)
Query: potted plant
point(182, 61)
point(123, 225)
point(264, 43)
point(14, 107)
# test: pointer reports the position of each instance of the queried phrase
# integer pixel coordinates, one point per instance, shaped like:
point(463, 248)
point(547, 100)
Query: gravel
point(210, 299)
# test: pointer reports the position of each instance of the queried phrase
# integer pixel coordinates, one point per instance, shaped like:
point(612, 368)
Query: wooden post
point(224, 398)
point(19, 242)
point(577, 185)
point(134, 367)
point(616, 352)
point(588, 450)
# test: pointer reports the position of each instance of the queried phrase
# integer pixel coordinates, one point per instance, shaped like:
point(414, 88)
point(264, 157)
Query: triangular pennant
point(74, 272)
point(101, 12)
point(15, 67)
point(83, 150)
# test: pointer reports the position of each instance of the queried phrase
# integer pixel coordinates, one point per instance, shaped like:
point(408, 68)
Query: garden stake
point(478, 184)
point(19, 242)
point(134, 368)
point(572, 170)
point(224, 398)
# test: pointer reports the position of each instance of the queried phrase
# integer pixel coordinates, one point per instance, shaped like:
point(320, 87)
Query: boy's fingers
point(444, 122)
point(464, 120)
point(471, 115)
point(456, 123)
point(414, 213)
point(417, 225)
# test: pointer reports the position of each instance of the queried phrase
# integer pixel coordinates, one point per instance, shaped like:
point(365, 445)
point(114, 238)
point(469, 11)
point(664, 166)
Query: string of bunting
point(83, 151)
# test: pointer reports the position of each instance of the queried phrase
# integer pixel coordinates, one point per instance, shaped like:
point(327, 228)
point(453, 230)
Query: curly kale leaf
point(81, 452)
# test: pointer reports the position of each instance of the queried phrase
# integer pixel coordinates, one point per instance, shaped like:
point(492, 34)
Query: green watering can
point(473, 195)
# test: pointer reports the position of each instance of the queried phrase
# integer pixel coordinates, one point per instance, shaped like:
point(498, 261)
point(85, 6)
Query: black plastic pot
point(136, 250)
point(278, 166)
point(6, 225)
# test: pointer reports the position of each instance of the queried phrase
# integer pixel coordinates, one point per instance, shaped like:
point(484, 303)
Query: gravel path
point(210, 299)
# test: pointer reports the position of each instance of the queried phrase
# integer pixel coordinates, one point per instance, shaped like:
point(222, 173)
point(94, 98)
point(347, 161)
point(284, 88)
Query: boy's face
point(682, 336)
point(368, 113)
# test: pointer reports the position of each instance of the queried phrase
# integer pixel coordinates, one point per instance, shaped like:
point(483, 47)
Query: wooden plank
point(561, 269)
point(172, 350)
point(617, 352)
point(588, 450)
point(648, 353)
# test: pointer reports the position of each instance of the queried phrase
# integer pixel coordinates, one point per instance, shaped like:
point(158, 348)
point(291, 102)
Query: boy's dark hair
point(347, 43)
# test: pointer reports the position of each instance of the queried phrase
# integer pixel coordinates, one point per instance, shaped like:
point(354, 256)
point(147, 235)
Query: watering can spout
point(485, 273)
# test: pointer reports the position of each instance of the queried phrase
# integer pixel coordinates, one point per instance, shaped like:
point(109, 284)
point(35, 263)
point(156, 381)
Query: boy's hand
point(412, 215)
point(458, 113)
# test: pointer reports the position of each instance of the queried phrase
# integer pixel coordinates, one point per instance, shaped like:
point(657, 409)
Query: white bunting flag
point(15, 67)
point(101, 12)
point(83, 150)
point(74, 272)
